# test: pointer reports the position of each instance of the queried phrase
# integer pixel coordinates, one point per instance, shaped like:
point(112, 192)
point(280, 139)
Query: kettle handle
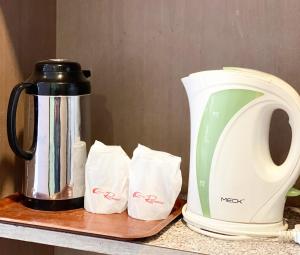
point(290, 167)
point(11, 123)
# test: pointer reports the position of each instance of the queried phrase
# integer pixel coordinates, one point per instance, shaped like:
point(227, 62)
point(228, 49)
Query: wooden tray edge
point(151, 232)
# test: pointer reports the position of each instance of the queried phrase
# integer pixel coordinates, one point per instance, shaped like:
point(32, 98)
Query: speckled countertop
point(179, 236)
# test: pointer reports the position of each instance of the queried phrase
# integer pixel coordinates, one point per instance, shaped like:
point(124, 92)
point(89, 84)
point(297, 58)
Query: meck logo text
point(232, 200)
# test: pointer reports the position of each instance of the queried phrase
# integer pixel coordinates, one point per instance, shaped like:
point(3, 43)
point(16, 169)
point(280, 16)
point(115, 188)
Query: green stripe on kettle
point(220, 108)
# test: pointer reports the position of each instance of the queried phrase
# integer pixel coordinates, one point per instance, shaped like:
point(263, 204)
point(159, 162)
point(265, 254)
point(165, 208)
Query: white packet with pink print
point(106, 179)
point(154, 184)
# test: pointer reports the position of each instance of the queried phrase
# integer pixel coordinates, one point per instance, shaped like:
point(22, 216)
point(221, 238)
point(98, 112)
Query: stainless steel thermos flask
point(56, 131)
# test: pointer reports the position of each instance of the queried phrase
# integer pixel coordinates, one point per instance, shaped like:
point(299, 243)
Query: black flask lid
point(58, 77)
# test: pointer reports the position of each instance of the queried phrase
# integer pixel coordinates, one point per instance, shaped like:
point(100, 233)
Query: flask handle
point(11, 123)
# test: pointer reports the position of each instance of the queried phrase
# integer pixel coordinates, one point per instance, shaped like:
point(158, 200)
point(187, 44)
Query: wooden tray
point(116, 226)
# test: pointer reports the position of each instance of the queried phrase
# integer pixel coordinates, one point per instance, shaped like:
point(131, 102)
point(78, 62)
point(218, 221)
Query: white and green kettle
point(235, 188)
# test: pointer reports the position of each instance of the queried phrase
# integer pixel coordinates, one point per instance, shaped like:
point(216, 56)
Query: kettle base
point(53, 205)
point(206, 225)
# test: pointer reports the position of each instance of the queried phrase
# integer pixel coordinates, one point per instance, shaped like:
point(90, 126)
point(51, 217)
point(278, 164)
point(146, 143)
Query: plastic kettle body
point(233, 179)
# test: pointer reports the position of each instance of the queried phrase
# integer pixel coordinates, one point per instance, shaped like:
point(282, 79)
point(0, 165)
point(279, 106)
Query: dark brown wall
point(27, 34)
point(139, 50)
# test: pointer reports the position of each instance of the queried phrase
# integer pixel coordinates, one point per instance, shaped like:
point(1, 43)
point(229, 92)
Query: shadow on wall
point(32, 36)
point(11, 175)
point(23, 41)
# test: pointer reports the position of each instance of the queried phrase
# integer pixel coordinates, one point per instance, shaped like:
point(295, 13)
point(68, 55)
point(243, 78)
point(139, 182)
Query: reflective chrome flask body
point(56, 132)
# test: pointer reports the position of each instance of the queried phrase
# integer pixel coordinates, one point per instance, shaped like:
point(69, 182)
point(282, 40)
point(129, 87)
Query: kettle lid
point(59, 77)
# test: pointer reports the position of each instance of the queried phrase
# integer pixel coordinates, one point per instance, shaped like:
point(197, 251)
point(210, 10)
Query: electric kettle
point(235, 188)
point(56, 132)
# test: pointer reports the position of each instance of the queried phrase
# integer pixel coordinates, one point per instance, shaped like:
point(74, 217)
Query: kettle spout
point(186, 83)
point(192, 85)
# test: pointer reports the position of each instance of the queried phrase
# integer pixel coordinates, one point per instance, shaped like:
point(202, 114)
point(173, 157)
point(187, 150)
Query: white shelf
point(175, 239)
point(81, 242)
